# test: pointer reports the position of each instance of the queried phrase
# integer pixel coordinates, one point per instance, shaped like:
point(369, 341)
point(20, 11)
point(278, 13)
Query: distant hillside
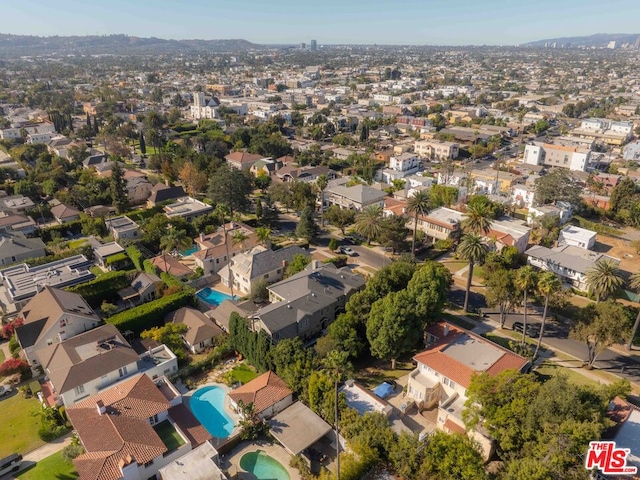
point(18, 45)
point(596, 40)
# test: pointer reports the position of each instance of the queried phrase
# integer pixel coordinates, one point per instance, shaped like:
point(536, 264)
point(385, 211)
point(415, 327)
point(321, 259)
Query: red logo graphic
point(609, 459)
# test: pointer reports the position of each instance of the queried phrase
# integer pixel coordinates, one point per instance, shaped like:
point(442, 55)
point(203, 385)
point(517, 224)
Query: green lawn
point(243, 374)
point(372, 376)
point(18, 428)
point(169, 436)
point(97, 271)
point(2, 356)
point(456, 320)
point(53, 466)
point(548, 369)
point(454, 266)
point(73, 244)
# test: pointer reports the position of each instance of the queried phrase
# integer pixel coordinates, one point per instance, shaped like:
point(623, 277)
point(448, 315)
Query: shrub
point(149, 267)
point(48, 234)
point(118, 261)
point(13, 365)
point(443, 245)
point(108, 308)
point(52, 424)
point(14, 346)
point(136, 257)
point(105, 287)
point(339, 260)
point(72, 451)
point(333, 246)
point(8, 329)
point(149, 315)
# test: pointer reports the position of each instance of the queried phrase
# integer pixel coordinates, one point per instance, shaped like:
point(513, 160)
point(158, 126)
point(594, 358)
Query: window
point(148, 464)
point(79, 390)
point(153, 420)
point(122, 371)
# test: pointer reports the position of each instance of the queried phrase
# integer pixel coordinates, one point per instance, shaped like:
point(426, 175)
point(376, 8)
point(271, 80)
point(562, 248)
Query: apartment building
point(435, 149)
point(564, 156)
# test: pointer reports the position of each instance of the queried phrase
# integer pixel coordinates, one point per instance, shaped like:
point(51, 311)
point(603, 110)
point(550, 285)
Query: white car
point(347, 251)
point(5, 390)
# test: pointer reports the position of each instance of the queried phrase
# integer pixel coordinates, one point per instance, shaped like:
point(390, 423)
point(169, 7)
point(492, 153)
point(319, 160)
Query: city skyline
point(461, 22)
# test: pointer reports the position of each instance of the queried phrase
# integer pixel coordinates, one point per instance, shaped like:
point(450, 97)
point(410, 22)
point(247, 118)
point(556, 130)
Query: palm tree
point(369, 222)
point(174, 239)
point(239, 237)
point(321, 182)
point(473, 250)
point(477, 219)
point(526, 279)
point(634, 282)
point(548, 283)
point(604, 279)
point(419, 205)
point(264, 235)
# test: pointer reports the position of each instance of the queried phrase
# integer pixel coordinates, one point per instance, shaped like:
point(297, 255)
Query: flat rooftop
point(198, 464)
point(477, 355)
point(578, 233)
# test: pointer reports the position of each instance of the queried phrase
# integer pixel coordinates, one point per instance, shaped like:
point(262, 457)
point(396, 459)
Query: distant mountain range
point(20, 45)
point(596, 40)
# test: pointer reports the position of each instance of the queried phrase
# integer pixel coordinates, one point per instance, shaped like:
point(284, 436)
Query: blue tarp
point(383, 390)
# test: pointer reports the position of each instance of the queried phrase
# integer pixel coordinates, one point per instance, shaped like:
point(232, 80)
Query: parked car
point(5, 390)
point(533, 330)
point(347, 251)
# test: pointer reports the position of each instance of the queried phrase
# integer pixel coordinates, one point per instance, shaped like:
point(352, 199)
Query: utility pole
point(226, 247)
point(337, 432)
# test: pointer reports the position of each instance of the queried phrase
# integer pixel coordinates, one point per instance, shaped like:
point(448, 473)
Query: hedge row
point(136, 256)
point(149, 315)
point(87, 251)
point(74, 228)
point(104, 287)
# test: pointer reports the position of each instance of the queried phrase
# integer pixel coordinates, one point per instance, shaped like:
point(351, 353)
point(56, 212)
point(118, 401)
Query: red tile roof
point(453, 427)
point(263, 391)
point(436, 358)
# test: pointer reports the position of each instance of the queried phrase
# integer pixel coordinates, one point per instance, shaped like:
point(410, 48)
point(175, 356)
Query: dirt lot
point(614, 247)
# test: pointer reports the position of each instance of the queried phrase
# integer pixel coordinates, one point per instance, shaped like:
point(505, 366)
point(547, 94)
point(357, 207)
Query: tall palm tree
point(321, 182)
point(473, 250)
point(548, 283)
point(604, 279)
point(420, 206)
point(264, 235)
point(239, 237)
point(526, 280)
point(634, 282)
point(174, 239)
point(369, 222)
point(477, 219)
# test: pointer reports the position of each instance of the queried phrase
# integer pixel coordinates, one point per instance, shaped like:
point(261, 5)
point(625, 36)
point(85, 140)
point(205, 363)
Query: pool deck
point(227, 405)
point(274, 450)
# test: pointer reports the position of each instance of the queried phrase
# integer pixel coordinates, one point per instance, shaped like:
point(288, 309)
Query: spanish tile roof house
point(268, 393)
point(201, 329)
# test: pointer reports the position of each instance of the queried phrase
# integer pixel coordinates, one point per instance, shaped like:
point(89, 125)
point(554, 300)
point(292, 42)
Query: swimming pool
point(263, 466)
point(213, 297)
point(189, 251)
point(207, 404)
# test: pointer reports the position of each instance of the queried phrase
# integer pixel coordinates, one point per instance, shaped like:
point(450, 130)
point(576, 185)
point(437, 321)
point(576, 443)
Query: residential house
point(122, 228)
point(242, 160)
point(138, 188)
point(168, 263)
point(492, 182)
point(509, 232)
point(439, 224)
point(523, 195)
point(95, 159)
point(291, 173)
point(15, 247)
point(221, 315)
point(143, 288)
point(16, 204)
point(64, 213)
point(444, 371)
point(102, 254)
point(21, 282)
point(625, 433)
point(304, 304)
point(10, 222)
point(268, 393)
point(201, 329)
point(562, 210)
point(52, 316)
point(217, 248)
point(187, 208)
point(357, 197)
point(632, 152)
point(578, 237)
point(247, 269)
point(133, 429)
point(437, 150)
point(201, 463)
point(266, 166)
point(91, 361)
point(570, 263)
point(161, 193)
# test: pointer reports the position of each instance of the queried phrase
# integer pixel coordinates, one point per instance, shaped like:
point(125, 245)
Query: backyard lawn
point(18, 428)
point(243, 374)
point(53, 466)
point(373, 376)
point(169, 436)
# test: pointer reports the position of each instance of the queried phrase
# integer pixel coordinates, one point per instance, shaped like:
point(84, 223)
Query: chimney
point(201, 237)
point(101, 408)
point(285, 264)
point(446, 329)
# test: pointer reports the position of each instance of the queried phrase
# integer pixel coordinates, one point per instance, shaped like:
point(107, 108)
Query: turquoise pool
point(189, 251)
point(207, 404)
point(263, 466)
point(213, 297)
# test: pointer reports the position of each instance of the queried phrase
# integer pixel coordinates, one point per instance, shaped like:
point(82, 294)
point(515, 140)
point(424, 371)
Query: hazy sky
point(435, 22)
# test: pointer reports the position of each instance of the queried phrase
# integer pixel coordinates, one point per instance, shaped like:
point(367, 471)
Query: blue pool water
point(213, 297)
point(263, 466)
point(207, 404)
point(189, 251)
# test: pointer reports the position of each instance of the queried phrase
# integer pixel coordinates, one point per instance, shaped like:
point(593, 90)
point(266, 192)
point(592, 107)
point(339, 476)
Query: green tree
point(471, 249)
point(118, 188)
point(264, 235)
point(601, 325)
point(604, 279)
point(443, 195)
point(369, 222)
point(175, 239)
point(333, 244)
point(393, 327)
point(623, 195)
point(526, 280)
point(452, 456)
point(143, 145)
point(231, 187)
point(548, 283)
point(634, 283)
point(293, 363)
point(171, 336)
point(321, 183)
point(427, 289)
point(419, 205)
point(394, 232)
point(500, 291)
point(306, 227)
point(298, 264)
point(555, 186)
point(339, 217)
